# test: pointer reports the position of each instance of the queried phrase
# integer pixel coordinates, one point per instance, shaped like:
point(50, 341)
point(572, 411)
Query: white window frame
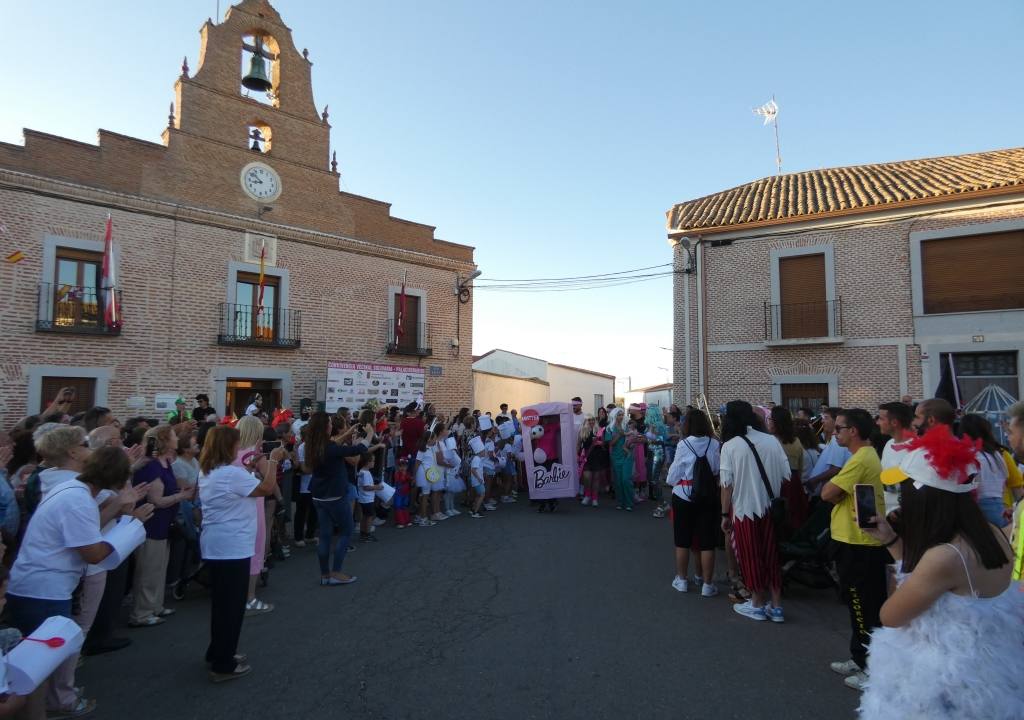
point(828, 250)
point(36, 373)
point(51, 243)
point(421, 319)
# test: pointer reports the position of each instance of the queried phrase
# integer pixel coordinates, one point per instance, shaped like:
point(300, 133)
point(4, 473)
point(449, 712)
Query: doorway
point(240, 392)
point(807, 395)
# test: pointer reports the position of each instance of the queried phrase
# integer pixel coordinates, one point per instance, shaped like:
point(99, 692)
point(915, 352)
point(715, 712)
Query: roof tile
point(797, 196)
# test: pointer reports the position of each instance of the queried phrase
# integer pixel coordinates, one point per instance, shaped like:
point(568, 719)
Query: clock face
point(261, 182)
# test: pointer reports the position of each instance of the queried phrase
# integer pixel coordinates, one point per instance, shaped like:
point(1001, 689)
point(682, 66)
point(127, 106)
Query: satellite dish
point(685, 242)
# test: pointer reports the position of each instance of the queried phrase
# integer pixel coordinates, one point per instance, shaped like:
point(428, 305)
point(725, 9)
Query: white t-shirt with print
point(49, 566)
point(426, 459)
point(891, 456)
point(364, 480)
point(488, 459)
point(740, 472)
point(229, 514)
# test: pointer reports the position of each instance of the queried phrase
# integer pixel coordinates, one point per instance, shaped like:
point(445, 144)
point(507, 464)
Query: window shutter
point(804, 307)
point(973, 273)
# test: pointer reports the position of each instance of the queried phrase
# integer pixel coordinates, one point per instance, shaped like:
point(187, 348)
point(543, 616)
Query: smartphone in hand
point(865, 506)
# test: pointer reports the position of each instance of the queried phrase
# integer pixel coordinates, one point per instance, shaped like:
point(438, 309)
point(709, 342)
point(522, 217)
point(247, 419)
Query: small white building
point(521, 376)
point(660, 395)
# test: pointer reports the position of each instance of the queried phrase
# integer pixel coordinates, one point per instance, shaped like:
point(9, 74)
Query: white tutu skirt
point(963, 658)
point(454, 482)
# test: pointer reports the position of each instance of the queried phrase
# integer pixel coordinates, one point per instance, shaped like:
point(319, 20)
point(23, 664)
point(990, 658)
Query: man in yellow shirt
point(860, 559)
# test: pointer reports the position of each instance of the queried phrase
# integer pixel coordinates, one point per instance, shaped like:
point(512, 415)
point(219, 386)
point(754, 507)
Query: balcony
point(73, 309)
point(811, 323)
point(415, 339)
point(269, 327)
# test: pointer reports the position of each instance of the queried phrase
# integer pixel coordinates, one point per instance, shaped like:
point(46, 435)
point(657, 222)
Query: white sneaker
point(377, 522)
point(451, 513)
point(586, 501)
point(845, 667)
point(856, 681)
point(508, 499)
point(680, 584)
point(708, 590)
point(456, 512)
point(438, 516)
point(490, 508)
point(594, 503)
point(747, 609)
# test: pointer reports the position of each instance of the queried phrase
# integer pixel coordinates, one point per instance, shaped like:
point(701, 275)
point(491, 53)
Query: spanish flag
point(15, 257)
point(259, 299)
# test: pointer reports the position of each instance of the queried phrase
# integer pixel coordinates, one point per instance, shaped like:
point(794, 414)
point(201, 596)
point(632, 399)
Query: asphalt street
point(516, 615)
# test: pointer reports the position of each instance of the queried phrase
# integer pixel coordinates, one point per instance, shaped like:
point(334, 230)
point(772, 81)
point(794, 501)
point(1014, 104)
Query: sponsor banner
point(352, 385)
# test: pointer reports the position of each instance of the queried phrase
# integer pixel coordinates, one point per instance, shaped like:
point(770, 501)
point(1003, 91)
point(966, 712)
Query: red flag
point(259, 298)
point(111, 307)
point(399, 330)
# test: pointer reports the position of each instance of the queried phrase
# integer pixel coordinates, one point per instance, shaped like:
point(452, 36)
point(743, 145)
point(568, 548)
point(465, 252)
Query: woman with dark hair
point(793, 490)
point(752, 462)
point(695, 518)
point(994, 470)
point(325, 460)
point(952, 630)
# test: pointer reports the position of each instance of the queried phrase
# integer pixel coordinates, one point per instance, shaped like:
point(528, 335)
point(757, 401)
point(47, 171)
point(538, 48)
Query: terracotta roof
point(858, 188)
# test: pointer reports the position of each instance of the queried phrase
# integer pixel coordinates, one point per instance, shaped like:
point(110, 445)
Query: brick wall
point(873, 280)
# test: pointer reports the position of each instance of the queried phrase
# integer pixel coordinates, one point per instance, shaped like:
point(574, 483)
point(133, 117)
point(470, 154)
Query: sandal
point(738, 591)
point(256, 605)
point(659, 512)
point(82, 708)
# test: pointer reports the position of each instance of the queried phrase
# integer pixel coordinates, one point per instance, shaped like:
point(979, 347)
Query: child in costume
point(454, 483)
point(622, 459)
point(403, 488)
point(476, 476)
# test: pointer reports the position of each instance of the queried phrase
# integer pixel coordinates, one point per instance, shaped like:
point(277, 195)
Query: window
point(409, 341)
point(598, 403)
point(973, 273)
point(803, 309)
point(976, 371)
point(251, 319)
point(75, 290)
point(808, 395)
point(84, 387)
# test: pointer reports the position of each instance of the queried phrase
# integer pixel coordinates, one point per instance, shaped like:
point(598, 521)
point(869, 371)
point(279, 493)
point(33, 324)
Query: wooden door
point(803, 305)
point(808, 395)
point(409, 340)
point(85, 392)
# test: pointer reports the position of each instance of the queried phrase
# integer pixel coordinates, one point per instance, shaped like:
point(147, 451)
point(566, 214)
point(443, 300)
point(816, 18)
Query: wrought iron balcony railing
point(822, 319)
point(414, 339)
point(266, 327)
point(75, 309)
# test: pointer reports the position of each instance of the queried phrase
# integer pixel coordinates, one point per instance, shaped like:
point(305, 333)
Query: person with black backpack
point(696, 500)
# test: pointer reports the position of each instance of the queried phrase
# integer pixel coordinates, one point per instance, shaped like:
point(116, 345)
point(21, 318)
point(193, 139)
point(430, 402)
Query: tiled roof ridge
point(778, 198)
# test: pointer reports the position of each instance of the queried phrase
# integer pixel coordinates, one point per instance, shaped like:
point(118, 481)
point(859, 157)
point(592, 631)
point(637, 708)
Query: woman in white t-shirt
point(992, 470)
point(228, 495)
point(62, 539)
point(694, 518)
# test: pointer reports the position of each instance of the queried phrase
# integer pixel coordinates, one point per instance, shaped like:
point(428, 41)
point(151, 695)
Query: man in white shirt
point(503, 412)
point(305, 410)
point(578, 418)
point(894, 420)
point(746, 507)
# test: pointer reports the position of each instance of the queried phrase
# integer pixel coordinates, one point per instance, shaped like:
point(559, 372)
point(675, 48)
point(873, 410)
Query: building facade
point(853, 286)
point(499, 372)
point(240, 267)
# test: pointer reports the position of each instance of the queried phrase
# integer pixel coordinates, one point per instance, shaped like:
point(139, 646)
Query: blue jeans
point(333, 514)
point(992, 508)
point(29, 613)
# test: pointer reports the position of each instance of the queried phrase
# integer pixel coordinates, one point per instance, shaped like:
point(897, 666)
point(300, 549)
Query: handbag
point(777, 509)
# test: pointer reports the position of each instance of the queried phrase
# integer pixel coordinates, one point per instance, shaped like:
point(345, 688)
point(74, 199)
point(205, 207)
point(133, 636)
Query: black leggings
point(229, 586)
point(305, 518)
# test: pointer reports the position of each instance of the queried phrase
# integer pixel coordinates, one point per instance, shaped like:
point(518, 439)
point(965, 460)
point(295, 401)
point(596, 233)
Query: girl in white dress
point(952, 640)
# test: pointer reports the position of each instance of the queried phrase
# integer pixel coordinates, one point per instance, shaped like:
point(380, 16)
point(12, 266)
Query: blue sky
point(553, 136)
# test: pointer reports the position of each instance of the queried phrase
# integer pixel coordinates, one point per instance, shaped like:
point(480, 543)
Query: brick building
point(853, 285)
point(240, 173)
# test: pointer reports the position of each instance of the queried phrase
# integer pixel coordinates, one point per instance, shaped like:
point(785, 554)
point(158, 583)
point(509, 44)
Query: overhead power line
point(574, 277)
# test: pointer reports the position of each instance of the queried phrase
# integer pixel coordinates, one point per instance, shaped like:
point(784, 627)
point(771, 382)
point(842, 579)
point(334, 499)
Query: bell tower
point(252, 91)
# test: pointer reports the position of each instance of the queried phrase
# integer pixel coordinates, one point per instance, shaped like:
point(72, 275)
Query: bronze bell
point(257, 78)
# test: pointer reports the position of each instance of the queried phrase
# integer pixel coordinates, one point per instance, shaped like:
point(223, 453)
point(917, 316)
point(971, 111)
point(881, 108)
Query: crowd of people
point(911, 488)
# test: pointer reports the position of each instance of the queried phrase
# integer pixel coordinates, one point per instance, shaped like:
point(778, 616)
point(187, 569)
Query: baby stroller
point(805, 556)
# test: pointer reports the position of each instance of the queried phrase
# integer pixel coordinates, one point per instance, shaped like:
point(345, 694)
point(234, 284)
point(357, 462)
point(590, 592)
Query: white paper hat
point(485, 423)
point(506, 430)
point(917, 464)
point(477, 445)
point(385, 493)
point(450, 442)
point(30, 663)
